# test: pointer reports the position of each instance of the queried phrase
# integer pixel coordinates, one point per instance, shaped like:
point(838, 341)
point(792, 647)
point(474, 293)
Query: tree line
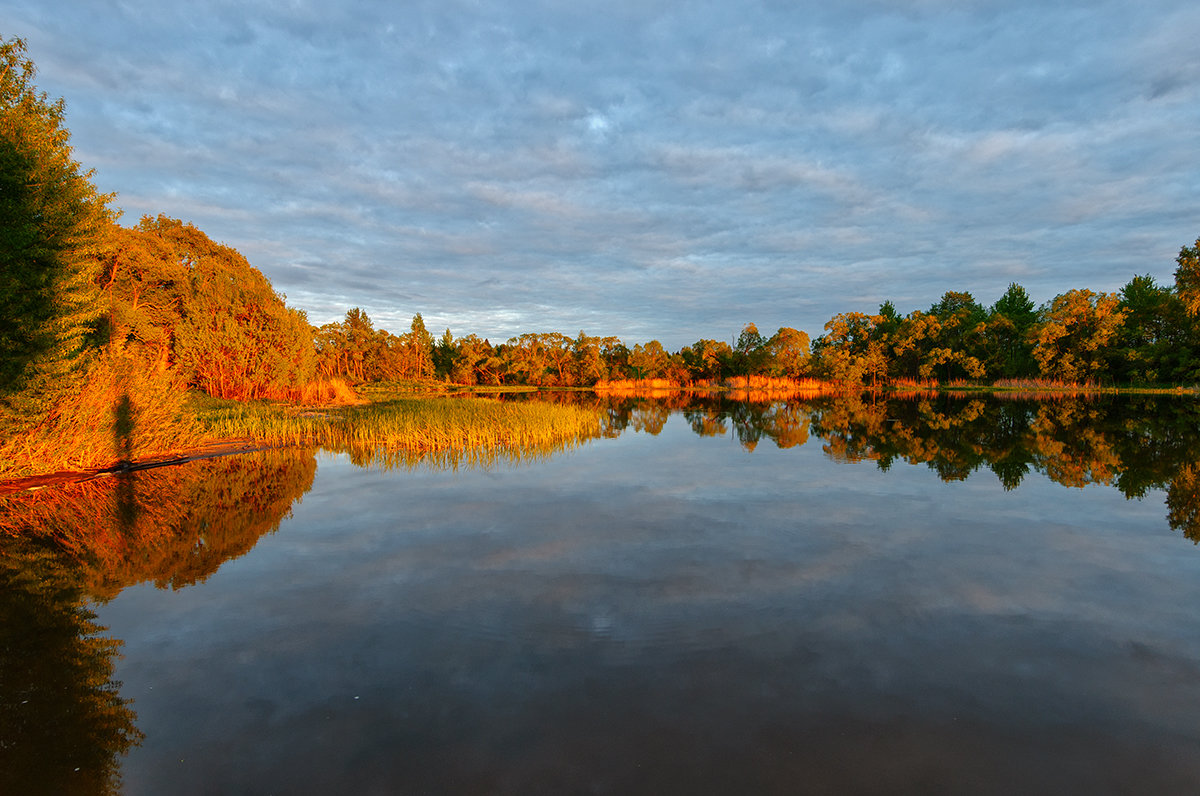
point(353, 349)
point(1145, 333)
point(92, 308)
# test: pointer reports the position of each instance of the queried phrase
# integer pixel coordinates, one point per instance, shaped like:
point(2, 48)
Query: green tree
point(706, 359)
point(1009, 352)
point(1017, 306)
point(1144, 347)
point(443, 356)
point(750, 352)
point(51, 217)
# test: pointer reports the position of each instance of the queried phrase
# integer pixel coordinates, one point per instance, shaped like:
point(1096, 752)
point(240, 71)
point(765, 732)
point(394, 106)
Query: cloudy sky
point(654, 170)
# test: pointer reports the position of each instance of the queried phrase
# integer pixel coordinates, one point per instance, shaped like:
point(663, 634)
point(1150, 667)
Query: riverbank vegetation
point(106, 330)
point(420, 425)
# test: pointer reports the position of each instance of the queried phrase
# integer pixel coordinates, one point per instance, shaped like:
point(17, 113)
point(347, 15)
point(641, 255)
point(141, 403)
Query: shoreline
point(211, 450)
point(226, 447)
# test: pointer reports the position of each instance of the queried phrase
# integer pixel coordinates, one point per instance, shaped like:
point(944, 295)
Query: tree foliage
point(1187, 278)
point(221, 323)
point(50, 219)
point(1073, 334)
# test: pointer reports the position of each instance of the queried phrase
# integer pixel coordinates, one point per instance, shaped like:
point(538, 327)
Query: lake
point(921, 595)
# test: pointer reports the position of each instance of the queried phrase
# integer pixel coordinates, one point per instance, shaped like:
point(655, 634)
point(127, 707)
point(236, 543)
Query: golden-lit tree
point(233, 336)
point(1187, 277)
point(788, 353)
point(1073, 334)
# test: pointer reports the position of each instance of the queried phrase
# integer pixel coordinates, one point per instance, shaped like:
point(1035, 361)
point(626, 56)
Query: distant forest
point(1144, 334)
point(95, 315)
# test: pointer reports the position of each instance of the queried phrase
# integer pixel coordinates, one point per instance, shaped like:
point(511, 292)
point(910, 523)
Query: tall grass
point(127, 409)
point(639, 386)
point(324, 392)
point(753, 388)
point(759, 389)
point(914, 385)
point(415, 424)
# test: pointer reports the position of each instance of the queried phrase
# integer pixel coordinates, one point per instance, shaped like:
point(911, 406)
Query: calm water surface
point(662, 611)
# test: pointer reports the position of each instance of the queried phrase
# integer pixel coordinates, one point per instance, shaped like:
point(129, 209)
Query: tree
point(1009, 353)
point(422, 343)
point(1016, 305)
point(958, 347)
point(649, 361)
point(750, 354)
point(788, 353)
point(1144, 347)
point(706, 359)
point(51, 217)
point(842, 353)
point(559, 358)
point(233, 336)
point(443, 356)
point(587, 364)
point(958, 304)
point(1075, 329)
point(1187, 278)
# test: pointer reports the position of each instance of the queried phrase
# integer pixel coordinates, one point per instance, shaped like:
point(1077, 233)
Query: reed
point(1049, 385)
point(636, 385)
point(414, 424)
point(127, 409)
point(917, 385)
point(325, 392)
point(762, 387)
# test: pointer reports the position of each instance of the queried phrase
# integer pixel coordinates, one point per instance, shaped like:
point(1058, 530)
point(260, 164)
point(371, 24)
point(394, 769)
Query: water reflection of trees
point(1131, 443)
point(751, 415)
point(63, 723)
point(171, 525)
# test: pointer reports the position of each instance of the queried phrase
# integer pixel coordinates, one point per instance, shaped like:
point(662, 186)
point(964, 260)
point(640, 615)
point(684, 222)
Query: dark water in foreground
point(721, 599)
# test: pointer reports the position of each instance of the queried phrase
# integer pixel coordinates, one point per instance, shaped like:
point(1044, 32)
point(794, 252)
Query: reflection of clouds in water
point(627, 610)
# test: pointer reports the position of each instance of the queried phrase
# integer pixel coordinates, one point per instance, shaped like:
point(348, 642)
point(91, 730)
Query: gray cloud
point(651, 170)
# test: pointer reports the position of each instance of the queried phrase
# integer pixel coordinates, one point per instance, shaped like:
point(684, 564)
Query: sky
point(649, 169)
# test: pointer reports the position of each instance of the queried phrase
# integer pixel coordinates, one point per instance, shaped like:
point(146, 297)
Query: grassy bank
point(414, 424)
point(107, 427)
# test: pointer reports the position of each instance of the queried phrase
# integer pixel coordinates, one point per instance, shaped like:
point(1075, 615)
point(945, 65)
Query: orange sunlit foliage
point(226, 329)
point(356, 351)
